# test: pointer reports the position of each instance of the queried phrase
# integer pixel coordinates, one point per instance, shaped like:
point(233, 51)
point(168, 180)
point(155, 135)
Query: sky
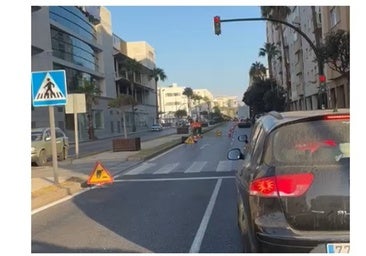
point(188, 50)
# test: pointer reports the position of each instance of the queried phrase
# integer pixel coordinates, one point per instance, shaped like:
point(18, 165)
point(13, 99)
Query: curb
point(53, 193)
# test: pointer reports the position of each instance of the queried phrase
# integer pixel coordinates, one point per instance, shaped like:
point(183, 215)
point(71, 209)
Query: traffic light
point(322, 100)
point(217, 25)
point(322, 83)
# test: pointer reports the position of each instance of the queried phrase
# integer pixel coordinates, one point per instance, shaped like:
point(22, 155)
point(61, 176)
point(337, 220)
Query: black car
point(293, 191)
point(244, 123)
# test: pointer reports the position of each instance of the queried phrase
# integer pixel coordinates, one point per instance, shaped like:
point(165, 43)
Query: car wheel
point(250, 244)
point(42, 158)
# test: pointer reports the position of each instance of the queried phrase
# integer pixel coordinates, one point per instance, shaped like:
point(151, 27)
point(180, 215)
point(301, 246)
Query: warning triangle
point(189, 140)
point(99, 175)
point(49, 90)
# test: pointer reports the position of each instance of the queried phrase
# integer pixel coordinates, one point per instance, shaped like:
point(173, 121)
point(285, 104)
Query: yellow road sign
point(189, 140)
point(99, 175)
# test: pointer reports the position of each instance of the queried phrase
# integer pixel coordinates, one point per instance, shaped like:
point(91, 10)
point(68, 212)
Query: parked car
point(293, 190)
point(156, 127)
point(244, 123)
point(41, 149)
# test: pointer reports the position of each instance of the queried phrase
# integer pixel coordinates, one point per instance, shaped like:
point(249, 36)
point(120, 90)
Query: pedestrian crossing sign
point(49, 88)
point(99, 175)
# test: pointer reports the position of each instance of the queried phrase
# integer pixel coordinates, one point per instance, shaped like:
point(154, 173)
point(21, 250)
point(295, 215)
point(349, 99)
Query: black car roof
point(273, 119)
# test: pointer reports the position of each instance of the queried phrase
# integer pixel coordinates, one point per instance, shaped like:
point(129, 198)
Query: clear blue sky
point(187, 48)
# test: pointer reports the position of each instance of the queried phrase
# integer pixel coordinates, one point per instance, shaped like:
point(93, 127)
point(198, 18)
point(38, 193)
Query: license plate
point(338, 248)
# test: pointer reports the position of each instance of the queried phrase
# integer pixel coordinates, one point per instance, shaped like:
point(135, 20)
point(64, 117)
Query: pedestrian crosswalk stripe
point(196, 166)
point(49, 90)
point(224, 166)
point(166, 168)
point(140, 168)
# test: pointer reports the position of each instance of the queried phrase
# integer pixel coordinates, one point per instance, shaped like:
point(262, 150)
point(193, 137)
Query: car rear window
point(312, 142)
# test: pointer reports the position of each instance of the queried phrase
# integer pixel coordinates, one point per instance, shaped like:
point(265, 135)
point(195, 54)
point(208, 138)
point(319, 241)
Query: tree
point(208, 102)
point(336, 51)
point(261, 98)
point(133, 67)
point(281, 13)
point(157, 74)
point(188, 92)
point(270, 50)
point(257, 71)
point(91, 91)
point(120, 102)
point(180, 113)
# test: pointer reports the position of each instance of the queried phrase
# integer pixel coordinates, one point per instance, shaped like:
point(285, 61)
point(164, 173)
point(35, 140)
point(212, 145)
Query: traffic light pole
point(315, 49)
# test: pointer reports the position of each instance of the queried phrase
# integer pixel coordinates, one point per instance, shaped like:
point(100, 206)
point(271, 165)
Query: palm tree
point(197, 98)
point(280, 13)
point(157, 74)
point(257, 71)
point(270, 50)
point(189, 93)
point(133, 67)
point(208, 102)
point(91, 92)
point(120, 102)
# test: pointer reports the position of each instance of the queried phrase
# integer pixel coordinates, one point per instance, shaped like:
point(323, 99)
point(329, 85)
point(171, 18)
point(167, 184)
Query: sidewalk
point(72, 174)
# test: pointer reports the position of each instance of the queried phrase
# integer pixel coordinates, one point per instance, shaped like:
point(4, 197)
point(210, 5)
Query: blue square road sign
point(49, 88)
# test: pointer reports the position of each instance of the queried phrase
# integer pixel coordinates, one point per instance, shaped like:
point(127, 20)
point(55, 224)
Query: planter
point(183, 130)
point(129, 144)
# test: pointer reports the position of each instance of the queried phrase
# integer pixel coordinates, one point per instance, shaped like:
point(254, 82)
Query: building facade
point(295, 68)
point(80, 40)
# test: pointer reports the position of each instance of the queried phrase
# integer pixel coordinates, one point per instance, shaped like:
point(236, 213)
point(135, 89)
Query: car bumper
point(303, 242)
point(34, 157)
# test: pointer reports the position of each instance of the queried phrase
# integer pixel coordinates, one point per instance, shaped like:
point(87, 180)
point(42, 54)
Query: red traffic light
point(322, 78)
point(217, 25)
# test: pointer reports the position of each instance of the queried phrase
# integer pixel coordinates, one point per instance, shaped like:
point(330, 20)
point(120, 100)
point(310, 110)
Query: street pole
point(53, 143)
point(315, 49)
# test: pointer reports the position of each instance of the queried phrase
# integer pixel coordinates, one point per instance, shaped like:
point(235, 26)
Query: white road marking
point(166, 168)
point(205, 145)
point(196, 245)
point(140, 169)
point(224, 166)
point(197, 166)
point(174, 179)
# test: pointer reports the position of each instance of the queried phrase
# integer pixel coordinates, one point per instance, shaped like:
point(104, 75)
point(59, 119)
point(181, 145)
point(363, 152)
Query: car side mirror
point(235, 154)
point(243, 138)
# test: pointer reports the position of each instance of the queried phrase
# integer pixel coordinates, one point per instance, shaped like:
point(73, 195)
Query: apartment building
point(171, 99)
point(296, 68)
point(80, 40)
point(228, 105)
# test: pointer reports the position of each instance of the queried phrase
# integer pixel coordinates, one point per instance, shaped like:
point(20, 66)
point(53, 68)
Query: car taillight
point(281, 185)
point(337, 117)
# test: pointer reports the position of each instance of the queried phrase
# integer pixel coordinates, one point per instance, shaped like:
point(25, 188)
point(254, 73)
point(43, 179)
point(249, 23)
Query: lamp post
point(320, 61)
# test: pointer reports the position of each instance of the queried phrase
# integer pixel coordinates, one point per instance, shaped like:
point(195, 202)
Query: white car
point(156, 127)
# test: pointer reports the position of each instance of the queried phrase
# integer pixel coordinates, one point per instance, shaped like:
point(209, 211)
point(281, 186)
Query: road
point(179, 202)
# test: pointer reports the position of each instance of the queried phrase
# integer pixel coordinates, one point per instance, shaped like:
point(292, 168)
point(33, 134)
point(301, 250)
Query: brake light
point(290, 185)
point(337, 117)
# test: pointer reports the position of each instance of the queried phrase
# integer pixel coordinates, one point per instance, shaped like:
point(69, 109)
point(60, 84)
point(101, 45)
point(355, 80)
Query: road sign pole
point(76, 135)
point(53, 143)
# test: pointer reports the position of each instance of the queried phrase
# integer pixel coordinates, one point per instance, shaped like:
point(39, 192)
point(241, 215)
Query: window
point(311, 143)
point(98, 119)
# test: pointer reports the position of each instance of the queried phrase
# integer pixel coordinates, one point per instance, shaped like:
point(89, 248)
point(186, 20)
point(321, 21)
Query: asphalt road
point(179, 202)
